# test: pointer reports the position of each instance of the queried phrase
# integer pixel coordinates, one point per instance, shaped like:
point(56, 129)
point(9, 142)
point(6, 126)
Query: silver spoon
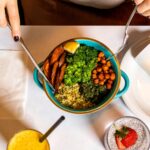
point(125, 34)
point(21, 42)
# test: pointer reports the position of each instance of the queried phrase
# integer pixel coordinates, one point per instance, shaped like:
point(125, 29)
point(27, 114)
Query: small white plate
point(136, 63)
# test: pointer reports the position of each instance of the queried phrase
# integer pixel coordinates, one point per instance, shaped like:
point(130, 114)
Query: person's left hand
point(143, 7)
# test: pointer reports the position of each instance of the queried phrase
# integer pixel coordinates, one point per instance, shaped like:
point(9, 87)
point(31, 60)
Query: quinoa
point(70, 96)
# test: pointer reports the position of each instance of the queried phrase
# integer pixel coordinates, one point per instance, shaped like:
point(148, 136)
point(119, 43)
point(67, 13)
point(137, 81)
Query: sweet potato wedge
point(62, 72)
point(62, 59)
point(46, 68)
point(56, 54)
point(57, 83)
point(54, 71)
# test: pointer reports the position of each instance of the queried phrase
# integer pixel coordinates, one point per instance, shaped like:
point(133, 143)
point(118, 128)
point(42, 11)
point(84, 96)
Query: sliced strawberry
point(119, 144)
point(130, 139)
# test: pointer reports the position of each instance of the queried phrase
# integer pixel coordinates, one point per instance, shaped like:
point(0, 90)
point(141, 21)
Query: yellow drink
point(28, 140)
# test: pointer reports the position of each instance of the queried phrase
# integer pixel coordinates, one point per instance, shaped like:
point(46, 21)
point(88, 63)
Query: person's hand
point(143, 7)
point(13, 15)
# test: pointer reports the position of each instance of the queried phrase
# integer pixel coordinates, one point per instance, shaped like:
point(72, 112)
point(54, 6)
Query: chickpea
point(103, 61)
point(105, 80)
point(104, 57)
point(108, 63)
point(96, 81)
point(98, 59)
point(101, 83)
point(105, 68)
point(110, 81)
point(111, 71)
point(106, 71)
point(99, 69)
point(94, 76)
point(107, 76)
point(112, 76)
point(101, 54)
point(108, 86)
point(94, 71)
point(101, 76)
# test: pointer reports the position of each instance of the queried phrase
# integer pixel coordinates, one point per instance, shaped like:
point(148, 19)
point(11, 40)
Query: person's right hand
point(13, 16)
point(143, 7)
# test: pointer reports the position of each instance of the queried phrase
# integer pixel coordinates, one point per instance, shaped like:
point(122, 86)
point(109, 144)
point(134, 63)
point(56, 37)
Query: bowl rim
point(107, 101)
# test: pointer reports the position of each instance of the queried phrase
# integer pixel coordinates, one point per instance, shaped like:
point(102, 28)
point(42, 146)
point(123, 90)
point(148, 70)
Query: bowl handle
point(36, 76)
point(126, 86)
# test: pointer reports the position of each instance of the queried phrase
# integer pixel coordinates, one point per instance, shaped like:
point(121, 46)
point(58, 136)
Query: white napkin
point(13, 83)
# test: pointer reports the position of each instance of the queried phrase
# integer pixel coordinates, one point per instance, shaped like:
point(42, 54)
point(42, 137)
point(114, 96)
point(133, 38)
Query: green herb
point(120, 134)
point(92, 92)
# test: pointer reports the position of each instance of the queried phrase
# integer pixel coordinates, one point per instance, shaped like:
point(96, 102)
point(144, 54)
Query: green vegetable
point(92, 92)
point(80, 65)
point(89, 90)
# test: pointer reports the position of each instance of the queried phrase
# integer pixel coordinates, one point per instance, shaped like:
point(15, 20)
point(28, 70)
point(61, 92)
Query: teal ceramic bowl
point(113, 94)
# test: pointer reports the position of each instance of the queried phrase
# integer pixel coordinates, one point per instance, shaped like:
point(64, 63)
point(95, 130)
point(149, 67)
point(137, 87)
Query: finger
point(3, 21)
point(143, 7)
point(146, 13)
point(14, 19)
point(137, 2)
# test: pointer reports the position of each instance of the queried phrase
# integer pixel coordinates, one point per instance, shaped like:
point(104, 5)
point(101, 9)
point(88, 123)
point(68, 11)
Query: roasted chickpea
point(105, 80)
point(98, 59)
point(103, 61)
point(94, 71)
point(110, 81)
point(96, 81)
point(108, 86)
point(112, 76)
point(101, 54)
point(110, 70)
point(106, 71)
point(105, 68)
point(101, 76)
point(101, 83)
point(108, 63)
point(107, 76)
point(99, 69)
point(94, 76)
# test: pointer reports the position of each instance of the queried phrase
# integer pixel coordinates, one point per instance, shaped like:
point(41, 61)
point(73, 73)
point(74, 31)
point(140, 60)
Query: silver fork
point(125, 34)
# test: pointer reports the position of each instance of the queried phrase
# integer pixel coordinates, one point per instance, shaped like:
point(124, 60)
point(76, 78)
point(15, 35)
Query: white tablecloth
point(77, 131)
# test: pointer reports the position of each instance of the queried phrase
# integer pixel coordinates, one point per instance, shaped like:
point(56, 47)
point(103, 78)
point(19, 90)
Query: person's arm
point(13, 15)
point(143, 7)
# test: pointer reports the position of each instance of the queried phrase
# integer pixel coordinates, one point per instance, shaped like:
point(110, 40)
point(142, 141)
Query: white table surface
point(77, 132)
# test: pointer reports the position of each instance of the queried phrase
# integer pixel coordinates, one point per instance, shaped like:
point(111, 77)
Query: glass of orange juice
point(28, 140)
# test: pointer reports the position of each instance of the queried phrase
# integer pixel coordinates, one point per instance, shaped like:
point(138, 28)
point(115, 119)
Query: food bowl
point(113, 93)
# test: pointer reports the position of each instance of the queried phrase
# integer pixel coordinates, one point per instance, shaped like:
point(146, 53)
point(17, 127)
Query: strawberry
point(119, 144)
point(125, 137)
point(130, 138)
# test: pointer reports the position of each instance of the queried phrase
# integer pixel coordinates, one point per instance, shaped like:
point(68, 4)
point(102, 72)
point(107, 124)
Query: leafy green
point(91, 91)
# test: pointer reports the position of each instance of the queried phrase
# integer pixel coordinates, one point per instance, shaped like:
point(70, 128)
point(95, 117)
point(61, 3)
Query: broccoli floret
point(80, 65)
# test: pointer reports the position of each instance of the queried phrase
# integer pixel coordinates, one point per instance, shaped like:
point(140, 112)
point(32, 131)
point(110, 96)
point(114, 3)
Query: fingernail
point(16, 38)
